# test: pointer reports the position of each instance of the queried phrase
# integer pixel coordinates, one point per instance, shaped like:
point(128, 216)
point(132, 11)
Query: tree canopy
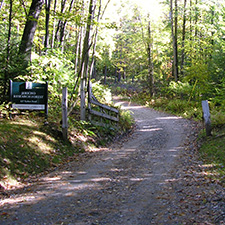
point(167, 47)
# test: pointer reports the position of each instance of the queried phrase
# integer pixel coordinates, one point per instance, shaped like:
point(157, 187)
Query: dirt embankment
point(150, 177)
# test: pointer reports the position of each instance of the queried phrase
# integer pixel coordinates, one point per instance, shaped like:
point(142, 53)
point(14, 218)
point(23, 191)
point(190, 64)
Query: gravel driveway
point(150, 177)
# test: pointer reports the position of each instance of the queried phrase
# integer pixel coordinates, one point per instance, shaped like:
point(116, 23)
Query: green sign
point(28, 95)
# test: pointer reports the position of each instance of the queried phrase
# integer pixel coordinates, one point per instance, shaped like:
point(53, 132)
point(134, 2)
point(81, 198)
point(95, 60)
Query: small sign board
point(28, 95)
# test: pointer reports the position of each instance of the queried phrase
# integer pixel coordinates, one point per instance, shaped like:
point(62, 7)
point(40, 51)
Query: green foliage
point(82, 127)
point(218, 93)
point(5, 110)
point(218, 118)
point(28, 147)
point(184, 108)
point(213, 150)
point(126, 120)
point(105, 134)
point(212, 153)
point(183, 89)
point(102, 93)
point(157, 103)
point(55, 68)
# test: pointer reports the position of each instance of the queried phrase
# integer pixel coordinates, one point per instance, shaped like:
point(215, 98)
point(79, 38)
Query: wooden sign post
point(64, 114)
point(206, 117)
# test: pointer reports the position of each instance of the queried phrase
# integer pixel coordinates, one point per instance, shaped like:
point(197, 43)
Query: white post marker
point(64, 114)
point(206, 116)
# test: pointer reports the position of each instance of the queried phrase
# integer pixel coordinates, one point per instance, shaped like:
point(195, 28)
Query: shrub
point(183, 89)
point(126, 120)
point(218, 118)
point(102, 93)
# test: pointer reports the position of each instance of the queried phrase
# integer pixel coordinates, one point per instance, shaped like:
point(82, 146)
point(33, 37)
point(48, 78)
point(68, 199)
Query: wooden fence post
point(82, 100)
point(206, 117)
point(64, 114)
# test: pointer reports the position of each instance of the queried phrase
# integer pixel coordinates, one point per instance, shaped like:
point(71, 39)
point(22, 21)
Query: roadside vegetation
point(212, 150)
point(30, 145)
point(169, 55)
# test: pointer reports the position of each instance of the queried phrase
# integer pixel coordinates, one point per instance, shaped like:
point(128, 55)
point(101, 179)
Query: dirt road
point(150, 177)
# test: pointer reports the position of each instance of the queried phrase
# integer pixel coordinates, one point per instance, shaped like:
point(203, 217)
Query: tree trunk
point(212, 23)
point(29, 31)
point(174, 37)
point(183, 39)
point(119, 76)
point(196, 18)
point(47, 12)
point(60, 22)
point(115, 81)
point(94, 41)
point(190, 20)
point(150, 63)
point(84, 66)
point(63, 25)
point(105, 74)
point(6, 78)
point(79, 39)
point(54, 24)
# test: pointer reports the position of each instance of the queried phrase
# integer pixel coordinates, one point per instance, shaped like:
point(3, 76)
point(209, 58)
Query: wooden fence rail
point(100, 110)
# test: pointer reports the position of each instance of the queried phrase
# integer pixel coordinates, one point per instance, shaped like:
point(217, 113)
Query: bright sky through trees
point(154, 7)
point(150, 6)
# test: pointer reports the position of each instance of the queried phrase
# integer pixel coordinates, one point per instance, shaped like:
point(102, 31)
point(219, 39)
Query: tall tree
point(63, 25)
point(150, 61)
point(196, 18)
point(60, 22)
point(183, 38)
point(174, 23)
point(29, 31)
point(8, 49)
point(47, 17)
point(54, 25)
point(85, 59)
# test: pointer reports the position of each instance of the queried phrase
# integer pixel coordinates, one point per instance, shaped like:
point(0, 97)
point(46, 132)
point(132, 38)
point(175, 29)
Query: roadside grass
point(212, 152)
point(29, 146)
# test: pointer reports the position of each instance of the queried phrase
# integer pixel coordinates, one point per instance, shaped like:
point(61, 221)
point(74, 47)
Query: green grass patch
point(212, 153)
point(28, 147)
point(188, 110)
